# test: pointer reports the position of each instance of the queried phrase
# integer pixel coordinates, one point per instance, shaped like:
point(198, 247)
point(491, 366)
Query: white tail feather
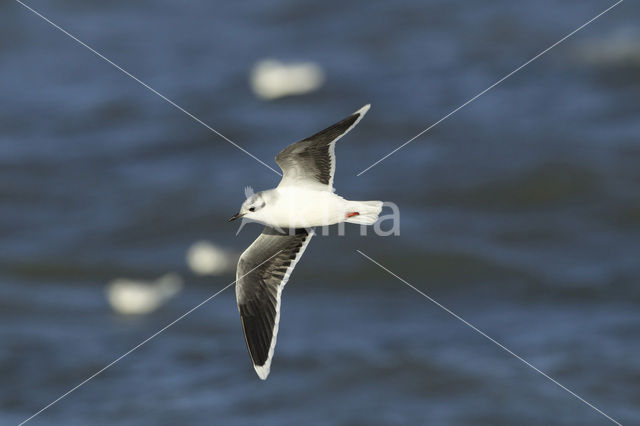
point(368, 212)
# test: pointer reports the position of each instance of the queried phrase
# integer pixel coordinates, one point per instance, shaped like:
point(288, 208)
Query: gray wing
point(312, 160)
point(263, 271)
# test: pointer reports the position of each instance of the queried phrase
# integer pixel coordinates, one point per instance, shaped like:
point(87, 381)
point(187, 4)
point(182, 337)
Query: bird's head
point(253, 204)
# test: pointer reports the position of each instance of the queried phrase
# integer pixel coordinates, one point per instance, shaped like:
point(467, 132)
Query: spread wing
point(312, 161)
point(263, 270)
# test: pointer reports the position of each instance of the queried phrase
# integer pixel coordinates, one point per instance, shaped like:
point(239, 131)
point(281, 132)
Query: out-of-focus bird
point(619, 49)
point(272, 79)
point(137, 297)
point(206, 258)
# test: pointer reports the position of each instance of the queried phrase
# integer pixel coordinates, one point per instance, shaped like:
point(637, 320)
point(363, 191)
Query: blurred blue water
point(521, 212)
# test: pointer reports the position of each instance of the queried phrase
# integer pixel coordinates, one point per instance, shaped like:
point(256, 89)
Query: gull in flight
point(304, 199)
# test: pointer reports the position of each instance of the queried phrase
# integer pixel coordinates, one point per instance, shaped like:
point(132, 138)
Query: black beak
point(235, 216)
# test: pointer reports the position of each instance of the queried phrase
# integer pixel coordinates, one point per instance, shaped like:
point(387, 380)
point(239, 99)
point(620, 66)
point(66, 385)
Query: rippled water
point(521, 212)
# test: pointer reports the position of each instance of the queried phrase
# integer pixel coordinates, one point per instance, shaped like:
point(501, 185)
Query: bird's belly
point(304, 209)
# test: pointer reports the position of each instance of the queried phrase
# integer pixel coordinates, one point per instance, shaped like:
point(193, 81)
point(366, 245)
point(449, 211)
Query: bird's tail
point(363, 212)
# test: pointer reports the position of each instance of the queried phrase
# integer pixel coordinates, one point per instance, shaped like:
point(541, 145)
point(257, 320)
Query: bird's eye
point(252, 209)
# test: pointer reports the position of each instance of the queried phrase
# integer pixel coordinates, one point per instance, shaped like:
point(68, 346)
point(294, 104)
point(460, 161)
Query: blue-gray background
point(521, 212)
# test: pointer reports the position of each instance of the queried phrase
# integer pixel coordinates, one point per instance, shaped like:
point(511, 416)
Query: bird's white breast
point(295, 207)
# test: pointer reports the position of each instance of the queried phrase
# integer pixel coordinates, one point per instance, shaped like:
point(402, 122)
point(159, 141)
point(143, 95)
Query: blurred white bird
point(619, 49)
point(272, 79)
point(206, 258)
point(136, 297)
